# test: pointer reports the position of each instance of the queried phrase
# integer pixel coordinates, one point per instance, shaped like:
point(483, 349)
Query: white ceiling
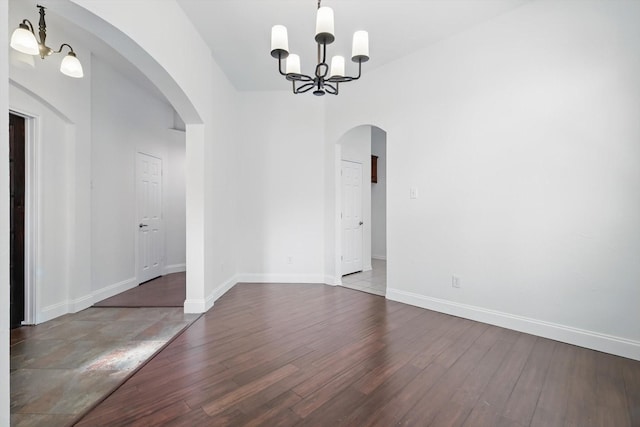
point(238, 31)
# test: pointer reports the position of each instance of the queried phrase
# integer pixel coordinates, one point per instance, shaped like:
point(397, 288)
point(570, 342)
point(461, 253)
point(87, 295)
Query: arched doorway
point(185, 83)
point(360, 200)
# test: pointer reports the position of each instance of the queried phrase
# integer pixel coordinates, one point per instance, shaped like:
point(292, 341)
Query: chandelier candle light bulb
point(293, 64)
point(324, 25)
point(337, 66)
point(360, 46)
point(279, 38)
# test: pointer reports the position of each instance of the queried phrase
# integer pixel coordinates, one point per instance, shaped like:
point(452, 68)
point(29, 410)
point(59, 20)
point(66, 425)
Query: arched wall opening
point(188, 93)
point(361, 153)
point(82, 14)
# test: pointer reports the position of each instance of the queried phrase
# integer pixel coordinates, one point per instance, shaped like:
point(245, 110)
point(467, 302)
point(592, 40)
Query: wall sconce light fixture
point(24, 40)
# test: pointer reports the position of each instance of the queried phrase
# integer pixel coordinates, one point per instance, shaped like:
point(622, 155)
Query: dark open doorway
point(17, 155)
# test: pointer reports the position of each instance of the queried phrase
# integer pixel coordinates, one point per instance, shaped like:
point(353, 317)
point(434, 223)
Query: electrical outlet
point(455, 282)
point(289, 259)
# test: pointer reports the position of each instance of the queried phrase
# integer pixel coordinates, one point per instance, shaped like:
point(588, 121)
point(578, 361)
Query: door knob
point(361, 223)
point(142, 225)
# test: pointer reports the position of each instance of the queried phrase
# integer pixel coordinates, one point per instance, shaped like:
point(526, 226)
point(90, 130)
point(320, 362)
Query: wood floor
point(165, 291)
point(314, 355)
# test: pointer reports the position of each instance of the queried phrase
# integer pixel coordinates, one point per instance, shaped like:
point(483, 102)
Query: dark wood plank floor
point(164, 291)
point(285, 355)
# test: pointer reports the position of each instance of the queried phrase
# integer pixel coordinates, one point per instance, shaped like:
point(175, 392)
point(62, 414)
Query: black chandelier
point(325, 79)
point(24, 40)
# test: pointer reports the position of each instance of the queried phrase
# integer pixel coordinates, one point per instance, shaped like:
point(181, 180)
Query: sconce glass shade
point(24, 41)
point(71, 66)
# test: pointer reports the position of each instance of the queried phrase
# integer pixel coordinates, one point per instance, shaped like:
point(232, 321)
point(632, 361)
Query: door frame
point(32, 212)
point(334, 276)
point(150, 153)
point(337, 160)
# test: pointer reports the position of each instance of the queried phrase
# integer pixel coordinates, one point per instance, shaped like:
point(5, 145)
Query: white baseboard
point(204, 305)
point(580, 337)
point(380, 257)
point(281, 278)
point(81, 303)
point(289, 278)
point(220, 290)
point(52, 311)
point(174, 268)
point(85, 301)
point(115, 289)
point(195, 305)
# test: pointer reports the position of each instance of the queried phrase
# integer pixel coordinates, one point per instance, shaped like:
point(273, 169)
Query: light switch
point(413, 193)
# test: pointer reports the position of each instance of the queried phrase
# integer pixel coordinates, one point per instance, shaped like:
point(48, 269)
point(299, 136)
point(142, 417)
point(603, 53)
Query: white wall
point(63, 141)
point(379, 196)
point(221, 187)
point(356, 147)
point(4, 224)
point(280, 182)
point(174, 202)
point(126, 120)
point(53, 153)
point(522, 139)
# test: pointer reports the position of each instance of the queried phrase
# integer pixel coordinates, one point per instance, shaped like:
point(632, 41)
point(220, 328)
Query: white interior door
point(149, 224)
point(351, 217)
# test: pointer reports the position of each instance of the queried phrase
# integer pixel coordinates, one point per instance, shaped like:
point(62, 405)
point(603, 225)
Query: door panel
point(351, 217)
point(149, 224)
